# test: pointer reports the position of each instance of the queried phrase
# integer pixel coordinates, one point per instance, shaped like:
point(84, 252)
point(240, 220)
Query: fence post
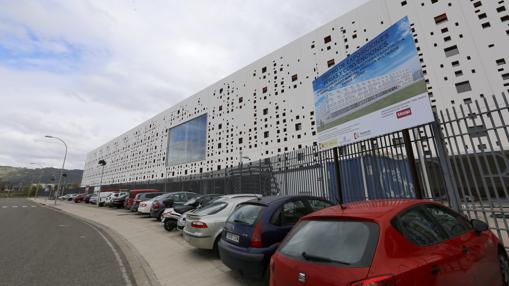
point(338, 177)
point(413, 165)
point(452, 193)
point(260, 176)
point(286, 174)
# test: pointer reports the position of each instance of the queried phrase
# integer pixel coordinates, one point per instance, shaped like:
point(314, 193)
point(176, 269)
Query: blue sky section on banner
point(398, 52)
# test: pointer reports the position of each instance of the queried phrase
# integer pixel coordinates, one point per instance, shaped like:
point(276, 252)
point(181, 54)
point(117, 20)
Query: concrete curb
point(139, 269)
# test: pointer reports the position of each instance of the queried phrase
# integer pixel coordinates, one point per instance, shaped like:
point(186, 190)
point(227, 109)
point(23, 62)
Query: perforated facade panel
point(267, 107)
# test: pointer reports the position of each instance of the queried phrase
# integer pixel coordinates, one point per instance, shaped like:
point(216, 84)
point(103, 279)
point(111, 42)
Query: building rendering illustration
point(267, 107)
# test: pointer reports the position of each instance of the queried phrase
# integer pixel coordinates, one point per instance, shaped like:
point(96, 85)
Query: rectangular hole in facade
point(441, 18)
point(451, 51)
point(463, 86)
point(330, 63)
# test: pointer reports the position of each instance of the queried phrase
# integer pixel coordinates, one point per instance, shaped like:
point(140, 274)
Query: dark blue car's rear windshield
point(246, 214)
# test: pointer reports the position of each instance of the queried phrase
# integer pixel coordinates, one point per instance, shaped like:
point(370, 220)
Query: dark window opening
point(441, 18)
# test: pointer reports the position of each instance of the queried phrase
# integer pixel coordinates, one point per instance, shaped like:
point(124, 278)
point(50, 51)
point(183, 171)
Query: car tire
point(503, 261)
point(215, 248)
point(170, 224)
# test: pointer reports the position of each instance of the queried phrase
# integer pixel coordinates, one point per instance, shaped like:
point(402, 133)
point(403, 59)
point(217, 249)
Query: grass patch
point(400, 95)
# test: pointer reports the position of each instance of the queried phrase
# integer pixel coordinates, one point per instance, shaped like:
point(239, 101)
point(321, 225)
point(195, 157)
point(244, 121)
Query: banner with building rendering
point(377, 90)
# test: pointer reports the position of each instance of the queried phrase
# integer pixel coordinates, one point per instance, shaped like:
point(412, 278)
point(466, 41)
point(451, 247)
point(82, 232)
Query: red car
point(390, 243)
point(79, 198)
point(132, 193)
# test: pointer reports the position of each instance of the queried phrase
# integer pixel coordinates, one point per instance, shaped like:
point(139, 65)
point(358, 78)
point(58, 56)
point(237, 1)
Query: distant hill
point(15, 176)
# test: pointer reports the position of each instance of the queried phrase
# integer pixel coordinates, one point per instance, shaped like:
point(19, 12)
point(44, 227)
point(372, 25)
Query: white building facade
point(267, 107)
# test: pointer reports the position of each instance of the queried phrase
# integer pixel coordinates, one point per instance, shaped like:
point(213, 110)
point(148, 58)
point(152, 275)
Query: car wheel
point(504, 266)
point(170, 224)
point(215, 249)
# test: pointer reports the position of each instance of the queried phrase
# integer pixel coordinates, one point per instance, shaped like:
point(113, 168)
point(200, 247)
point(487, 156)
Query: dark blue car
point(255, 228)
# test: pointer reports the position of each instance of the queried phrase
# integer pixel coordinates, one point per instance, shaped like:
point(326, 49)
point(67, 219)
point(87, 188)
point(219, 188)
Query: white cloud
point(87, 71)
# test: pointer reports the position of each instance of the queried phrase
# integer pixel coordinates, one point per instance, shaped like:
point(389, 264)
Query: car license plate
point(232, 237)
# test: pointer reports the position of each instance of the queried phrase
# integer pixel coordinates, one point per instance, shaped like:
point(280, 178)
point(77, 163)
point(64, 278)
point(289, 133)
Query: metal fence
point(460, 159)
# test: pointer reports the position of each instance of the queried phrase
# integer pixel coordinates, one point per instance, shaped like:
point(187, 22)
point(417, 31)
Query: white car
point(145, 206)
point(103, 196)
point(204, 226)
point(109, 199)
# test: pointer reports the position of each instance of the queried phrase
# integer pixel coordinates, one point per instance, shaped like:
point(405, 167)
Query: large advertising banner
point(377, 90)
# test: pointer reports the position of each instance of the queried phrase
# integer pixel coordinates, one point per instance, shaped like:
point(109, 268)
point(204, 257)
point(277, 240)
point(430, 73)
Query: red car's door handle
point(466, 249)
point(435, 269)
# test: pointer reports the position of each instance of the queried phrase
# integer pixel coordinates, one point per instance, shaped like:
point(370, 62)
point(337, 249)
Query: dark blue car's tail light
point(256, 238)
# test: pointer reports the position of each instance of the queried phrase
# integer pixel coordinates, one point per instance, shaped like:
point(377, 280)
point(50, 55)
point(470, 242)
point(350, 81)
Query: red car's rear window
point(338, 242)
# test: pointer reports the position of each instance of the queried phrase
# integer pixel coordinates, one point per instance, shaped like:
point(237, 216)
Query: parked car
point(204, 226)
point(132, 193)
point(172, 215)
point(104, 195)
point(93, 199)
point(142, 197)
point(109, 199)
point(118, 202)
point(144, 207)
point(87, 198)
point(71, 197)
point(79, 198)
point(169, 200)
point(256, 228)
point(389, 242)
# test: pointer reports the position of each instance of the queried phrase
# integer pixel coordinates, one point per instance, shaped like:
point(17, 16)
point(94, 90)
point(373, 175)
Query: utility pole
point(102, 163)
point(63, 166)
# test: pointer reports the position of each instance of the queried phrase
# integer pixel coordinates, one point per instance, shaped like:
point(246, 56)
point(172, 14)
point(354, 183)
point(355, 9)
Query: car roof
point(239, 196)
point(275, 199)
point(375, 210)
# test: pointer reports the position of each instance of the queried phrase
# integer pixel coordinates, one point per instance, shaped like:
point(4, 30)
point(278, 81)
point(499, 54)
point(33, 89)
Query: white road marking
point(14, 206)
point(34, 206)
point(23, 206)
point(4, 207)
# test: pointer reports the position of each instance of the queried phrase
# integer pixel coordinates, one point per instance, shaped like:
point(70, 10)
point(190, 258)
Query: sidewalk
point(172, 260)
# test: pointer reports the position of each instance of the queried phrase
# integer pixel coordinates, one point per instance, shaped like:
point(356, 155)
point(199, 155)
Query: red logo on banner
point(404, 113)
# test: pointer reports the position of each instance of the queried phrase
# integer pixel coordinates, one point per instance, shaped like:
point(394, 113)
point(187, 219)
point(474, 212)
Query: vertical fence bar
point(338, 176)
point(411, 161)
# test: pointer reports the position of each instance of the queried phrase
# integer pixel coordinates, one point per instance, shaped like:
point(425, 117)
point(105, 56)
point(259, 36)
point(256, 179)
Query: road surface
point(42, 246)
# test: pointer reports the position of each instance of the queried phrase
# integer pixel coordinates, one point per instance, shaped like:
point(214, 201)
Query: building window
point(266, 134)
point(441, 18)
point(264, 90)
point(330, 63)
point(463, 87)
point(264, 69)
point(327, 39)
point(298, 126)
point(451, 51)
point(294, 77)
point(265, 111)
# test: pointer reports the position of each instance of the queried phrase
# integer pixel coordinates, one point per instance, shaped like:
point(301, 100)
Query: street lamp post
point(102, 163)
point(61, 170)
point(39, 179)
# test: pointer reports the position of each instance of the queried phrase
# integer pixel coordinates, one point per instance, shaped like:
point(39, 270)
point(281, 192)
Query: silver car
point(204, 226)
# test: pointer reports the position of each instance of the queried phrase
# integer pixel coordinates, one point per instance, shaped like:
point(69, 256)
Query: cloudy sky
point(89, 70)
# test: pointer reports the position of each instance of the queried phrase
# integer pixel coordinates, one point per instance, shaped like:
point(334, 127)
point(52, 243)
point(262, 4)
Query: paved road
point(42, 246)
